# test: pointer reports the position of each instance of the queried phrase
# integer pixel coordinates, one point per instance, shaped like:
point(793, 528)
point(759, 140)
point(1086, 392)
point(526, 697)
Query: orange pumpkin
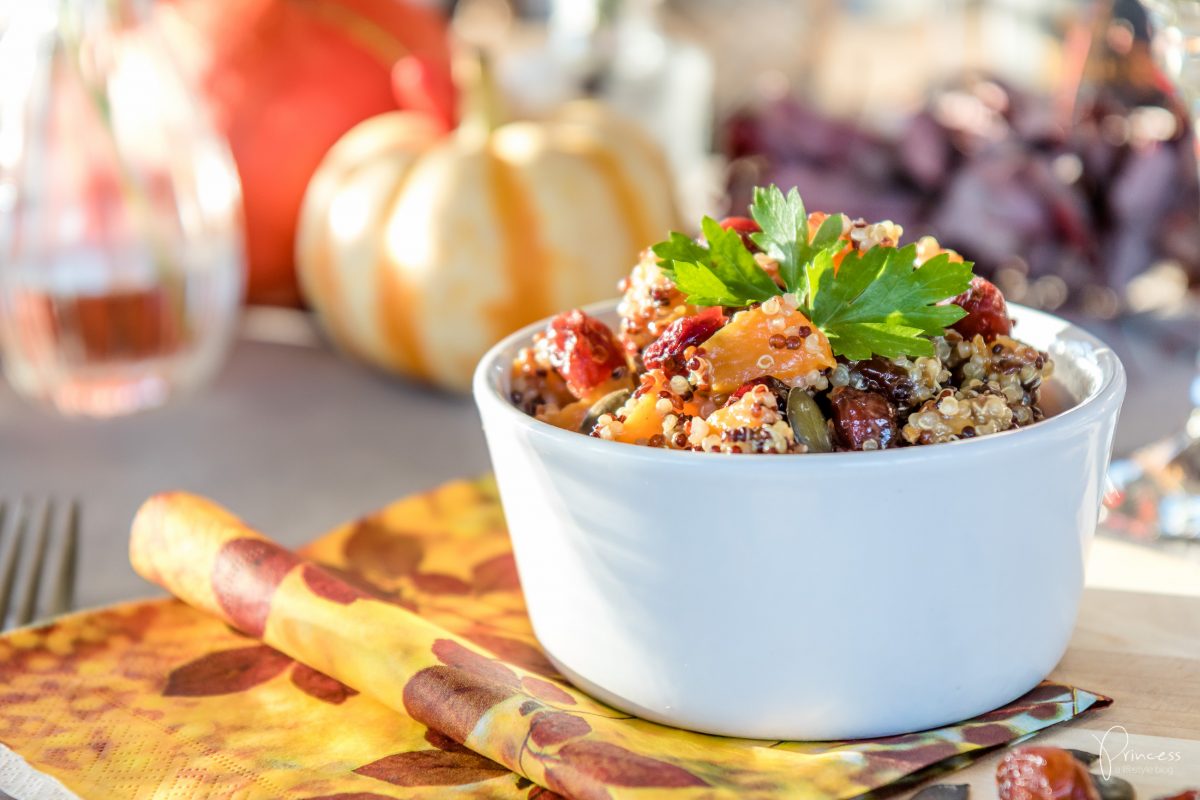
point(419, 250)
point(284, 79)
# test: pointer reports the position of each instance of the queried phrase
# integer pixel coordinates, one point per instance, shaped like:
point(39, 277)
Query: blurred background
point(253, 248)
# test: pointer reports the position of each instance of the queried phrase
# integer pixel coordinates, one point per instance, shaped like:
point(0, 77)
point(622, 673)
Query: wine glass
point(120, 213)
point(1155, 493)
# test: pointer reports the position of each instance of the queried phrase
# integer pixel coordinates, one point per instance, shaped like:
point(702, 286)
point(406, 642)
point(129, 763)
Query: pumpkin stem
point(482, 110)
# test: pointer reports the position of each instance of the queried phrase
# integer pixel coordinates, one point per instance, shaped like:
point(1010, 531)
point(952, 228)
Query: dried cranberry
point(860, 416)
point(987, 313)
point(744, 227)
point(777, 387)
point(583, 351)
point(1186, 794)
point(885, 377)
point(1043, 773)
point(666, 352)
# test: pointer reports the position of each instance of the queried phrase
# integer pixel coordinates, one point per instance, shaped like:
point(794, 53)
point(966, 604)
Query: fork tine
point(27, 607)
point(62, 595)
point(10, 554)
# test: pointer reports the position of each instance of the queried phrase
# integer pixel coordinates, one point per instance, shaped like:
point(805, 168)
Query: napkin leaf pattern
point(226, 672)
point(390, 659)
point(319, 685)
point(245, 575)
point(433, 768)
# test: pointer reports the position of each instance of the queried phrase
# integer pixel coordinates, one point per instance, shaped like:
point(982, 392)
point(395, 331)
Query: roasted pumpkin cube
point(770, 339)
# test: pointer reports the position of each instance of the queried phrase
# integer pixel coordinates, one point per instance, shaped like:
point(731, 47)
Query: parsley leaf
point(879, 303)
point(872, 303)
point(724, 274)
point(680, 248)
point(784, 234)
point(703, 286)
point(859, 340)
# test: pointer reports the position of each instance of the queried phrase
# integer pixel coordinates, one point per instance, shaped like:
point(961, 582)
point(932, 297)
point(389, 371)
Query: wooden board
point(1143, 650)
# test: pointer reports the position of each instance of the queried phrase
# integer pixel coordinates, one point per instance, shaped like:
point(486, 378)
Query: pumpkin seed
point(1113, 788)
point(605, 405)
point(807, 421)
point(944, 791)
point(1083, 756)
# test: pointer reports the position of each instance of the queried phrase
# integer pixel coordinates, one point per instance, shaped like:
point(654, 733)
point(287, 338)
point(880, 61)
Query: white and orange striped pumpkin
point(418, 249)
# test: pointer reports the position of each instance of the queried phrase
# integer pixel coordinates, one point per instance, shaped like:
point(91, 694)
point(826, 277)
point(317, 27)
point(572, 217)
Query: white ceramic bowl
point(817, 596)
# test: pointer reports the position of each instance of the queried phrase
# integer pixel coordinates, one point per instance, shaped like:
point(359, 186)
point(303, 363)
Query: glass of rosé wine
point(120, 214)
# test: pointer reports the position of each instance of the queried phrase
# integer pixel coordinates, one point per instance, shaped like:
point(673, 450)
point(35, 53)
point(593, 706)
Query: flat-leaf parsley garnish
point(876, 302)
point(784, 234)
point(722, 274)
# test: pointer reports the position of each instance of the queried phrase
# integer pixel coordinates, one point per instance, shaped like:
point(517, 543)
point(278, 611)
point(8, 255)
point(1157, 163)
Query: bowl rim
point(486, 389)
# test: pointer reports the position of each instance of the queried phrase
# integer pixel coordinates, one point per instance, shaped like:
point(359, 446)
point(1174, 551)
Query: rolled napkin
point(548, 732)
point(538, 727)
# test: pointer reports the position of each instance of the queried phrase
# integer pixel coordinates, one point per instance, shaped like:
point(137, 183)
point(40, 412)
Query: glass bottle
point(121, 250)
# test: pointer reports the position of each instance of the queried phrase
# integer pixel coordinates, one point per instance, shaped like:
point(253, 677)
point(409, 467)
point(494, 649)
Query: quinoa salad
point(788, 332)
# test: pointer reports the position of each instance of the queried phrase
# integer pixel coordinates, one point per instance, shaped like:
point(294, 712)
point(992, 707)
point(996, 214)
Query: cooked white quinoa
point(666, 388)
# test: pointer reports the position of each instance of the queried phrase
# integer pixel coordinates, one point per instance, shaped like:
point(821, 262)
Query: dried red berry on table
point(987, 313)
point(1186, 794)
point(862, 420)
point(1043, 773)
point(583, 351)
point(666, 352)
point(744, 227)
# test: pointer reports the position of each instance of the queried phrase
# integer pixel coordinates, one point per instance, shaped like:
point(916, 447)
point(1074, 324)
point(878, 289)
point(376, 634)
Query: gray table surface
point(296, 439)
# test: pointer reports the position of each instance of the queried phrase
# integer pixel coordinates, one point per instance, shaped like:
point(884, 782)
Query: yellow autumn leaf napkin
point(392, 658)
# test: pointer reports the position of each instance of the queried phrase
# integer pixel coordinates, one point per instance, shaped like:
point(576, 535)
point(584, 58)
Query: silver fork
point(37, 582)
